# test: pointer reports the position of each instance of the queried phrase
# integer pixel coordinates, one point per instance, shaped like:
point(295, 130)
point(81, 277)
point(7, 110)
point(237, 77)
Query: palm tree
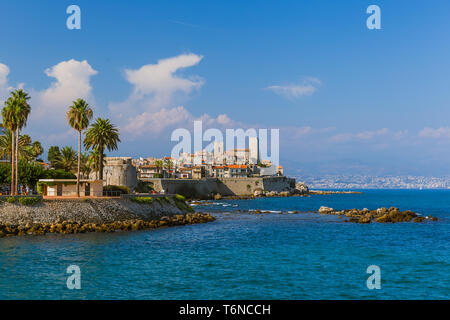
point(9, 115)
point(68, 159)
point(93, 161)
point(36, 149)
point(169, 166)
point(159, 165)
point(102, 134)
point(78, 116)
point(27, 150)
point(23, 110)
point(85, 168)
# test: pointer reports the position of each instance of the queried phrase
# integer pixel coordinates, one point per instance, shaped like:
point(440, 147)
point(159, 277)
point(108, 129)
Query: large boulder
point(325, 210)
point(258, 192)
point(301, 188)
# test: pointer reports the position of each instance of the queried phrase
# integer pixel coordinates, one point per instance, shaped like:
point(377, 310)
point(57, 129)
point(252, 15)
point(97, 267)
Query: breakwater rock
point(96, 215)
point(382, 215)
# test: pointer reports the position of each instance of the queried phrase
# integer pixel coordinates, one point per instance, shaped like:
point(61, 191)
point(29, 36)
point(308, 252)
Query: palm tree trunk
point(13, 144)
point(17, 162)
point(101, 163)
point(79, 163)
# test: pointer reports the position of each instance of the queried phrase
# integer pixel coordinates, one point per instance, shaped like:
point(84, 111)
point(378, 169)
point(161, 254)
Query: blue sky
point(346, 99)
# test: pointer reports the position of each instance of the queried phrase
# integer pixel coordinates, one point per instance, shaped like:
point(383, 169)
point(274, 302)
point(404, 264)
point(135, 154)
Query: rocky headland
point(95, 215)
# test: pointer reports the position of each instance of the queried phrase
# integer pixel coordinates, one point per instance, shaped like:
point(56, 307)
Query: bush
point(142, 200)
point(142, 187)
point(121, 189)
point(29, 201)
point(179, 197)
point(11, 199)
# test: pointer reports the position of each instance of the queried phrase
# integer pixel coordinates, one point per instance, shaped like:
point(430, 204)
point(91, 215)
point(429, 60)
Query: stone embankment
point(96, 215)
point(382, 215)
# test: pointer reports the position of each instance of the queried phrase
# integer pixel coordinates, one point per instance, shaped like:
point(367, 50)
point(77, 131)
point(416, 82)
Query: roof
point(237, 166)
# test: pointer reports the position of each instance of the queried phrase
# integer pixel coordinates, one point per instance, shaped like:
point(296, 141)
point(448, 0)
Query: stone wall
point(119, 171)
point(85, 211)
point(205, 188)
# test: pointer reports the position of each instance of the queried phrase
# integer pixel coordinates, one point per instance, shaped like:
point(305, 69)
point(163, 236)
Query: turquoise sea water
point(243, 256)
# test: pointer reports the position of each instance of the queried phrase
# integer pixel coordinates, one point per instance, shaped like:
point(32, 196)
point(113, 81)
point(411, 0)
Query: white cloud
point(360, 136)
point(439, 133)
point(4, 86)
point(157, 89)
point(308, 87)
point(72, 82)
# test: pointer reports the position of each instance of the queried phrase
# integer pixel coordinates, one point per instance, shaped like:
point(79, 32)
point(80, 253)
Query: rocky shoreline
point(95, 215)
point(72, 227)
point(381, 215)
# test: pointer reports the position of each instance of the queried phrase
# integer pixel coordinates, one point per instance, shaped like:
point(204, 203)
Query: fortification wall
point(205, 188)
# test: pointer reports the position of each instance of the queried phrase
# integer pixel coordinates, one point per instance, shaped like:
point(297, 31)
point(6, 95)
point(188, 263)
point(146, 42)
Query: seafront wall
point(206, 188)
point(97, 211)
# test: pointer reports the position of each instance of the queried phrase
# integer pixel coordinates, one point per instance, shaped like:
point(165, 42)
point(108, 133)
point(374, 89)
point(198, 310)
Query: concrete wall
point(225, 186)
point(96, 189)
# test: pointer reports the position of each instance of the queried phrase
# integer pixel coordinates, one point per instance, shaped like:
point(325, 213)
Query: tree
point(93, 161)
point(53, 156)
point(78, 116)
point(85, 169)
point(100, 135)
point(159, 165)
point(36, 150)
point(68, 159)
point(169, 166)
point(23, 110)
point(9, 115)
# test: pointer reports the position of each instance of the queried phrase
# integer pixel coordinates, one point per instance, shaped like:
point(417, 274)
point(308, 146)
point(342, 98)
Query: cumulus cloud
point(4, 85)
point(157, 90)
point(439, 133)
point(72, 82)
point(292, 91)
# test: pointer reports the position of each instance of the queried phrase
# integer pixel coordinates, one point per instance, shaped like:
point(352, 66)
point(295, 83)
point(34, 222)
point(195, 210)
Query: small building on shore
point(68, 187)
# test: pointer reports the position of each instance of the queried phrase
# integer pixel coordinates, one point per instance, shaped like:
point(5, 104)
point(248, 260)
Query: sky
point(346, 99)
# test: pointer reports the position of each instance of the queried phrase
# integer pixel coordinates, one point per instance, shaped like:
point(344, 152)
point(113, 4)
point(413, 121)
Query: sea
point(276, 255)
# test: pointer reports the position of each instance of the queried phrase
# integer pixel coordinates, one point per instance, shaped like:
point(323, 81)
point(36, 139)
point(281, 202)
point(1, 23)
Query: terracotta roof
point(237, 166)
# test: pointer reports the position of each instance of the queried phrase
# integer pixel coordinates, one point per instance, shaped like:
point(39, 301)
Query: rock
point(434, 219)
point(284, 194)
point(258, 192)
point(301, 188)
point(382, 211)
point(383, 219)
point(325, 210)
point(217, 196)
point(419, 219)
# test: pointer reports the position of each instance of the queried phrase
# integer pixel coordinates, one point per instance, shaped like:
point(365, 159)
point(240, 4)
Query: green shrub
point(29, 201)
point(11, 199)
point(142, 187)
point(179, 197)
point(142, 200)
point(121, 189)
